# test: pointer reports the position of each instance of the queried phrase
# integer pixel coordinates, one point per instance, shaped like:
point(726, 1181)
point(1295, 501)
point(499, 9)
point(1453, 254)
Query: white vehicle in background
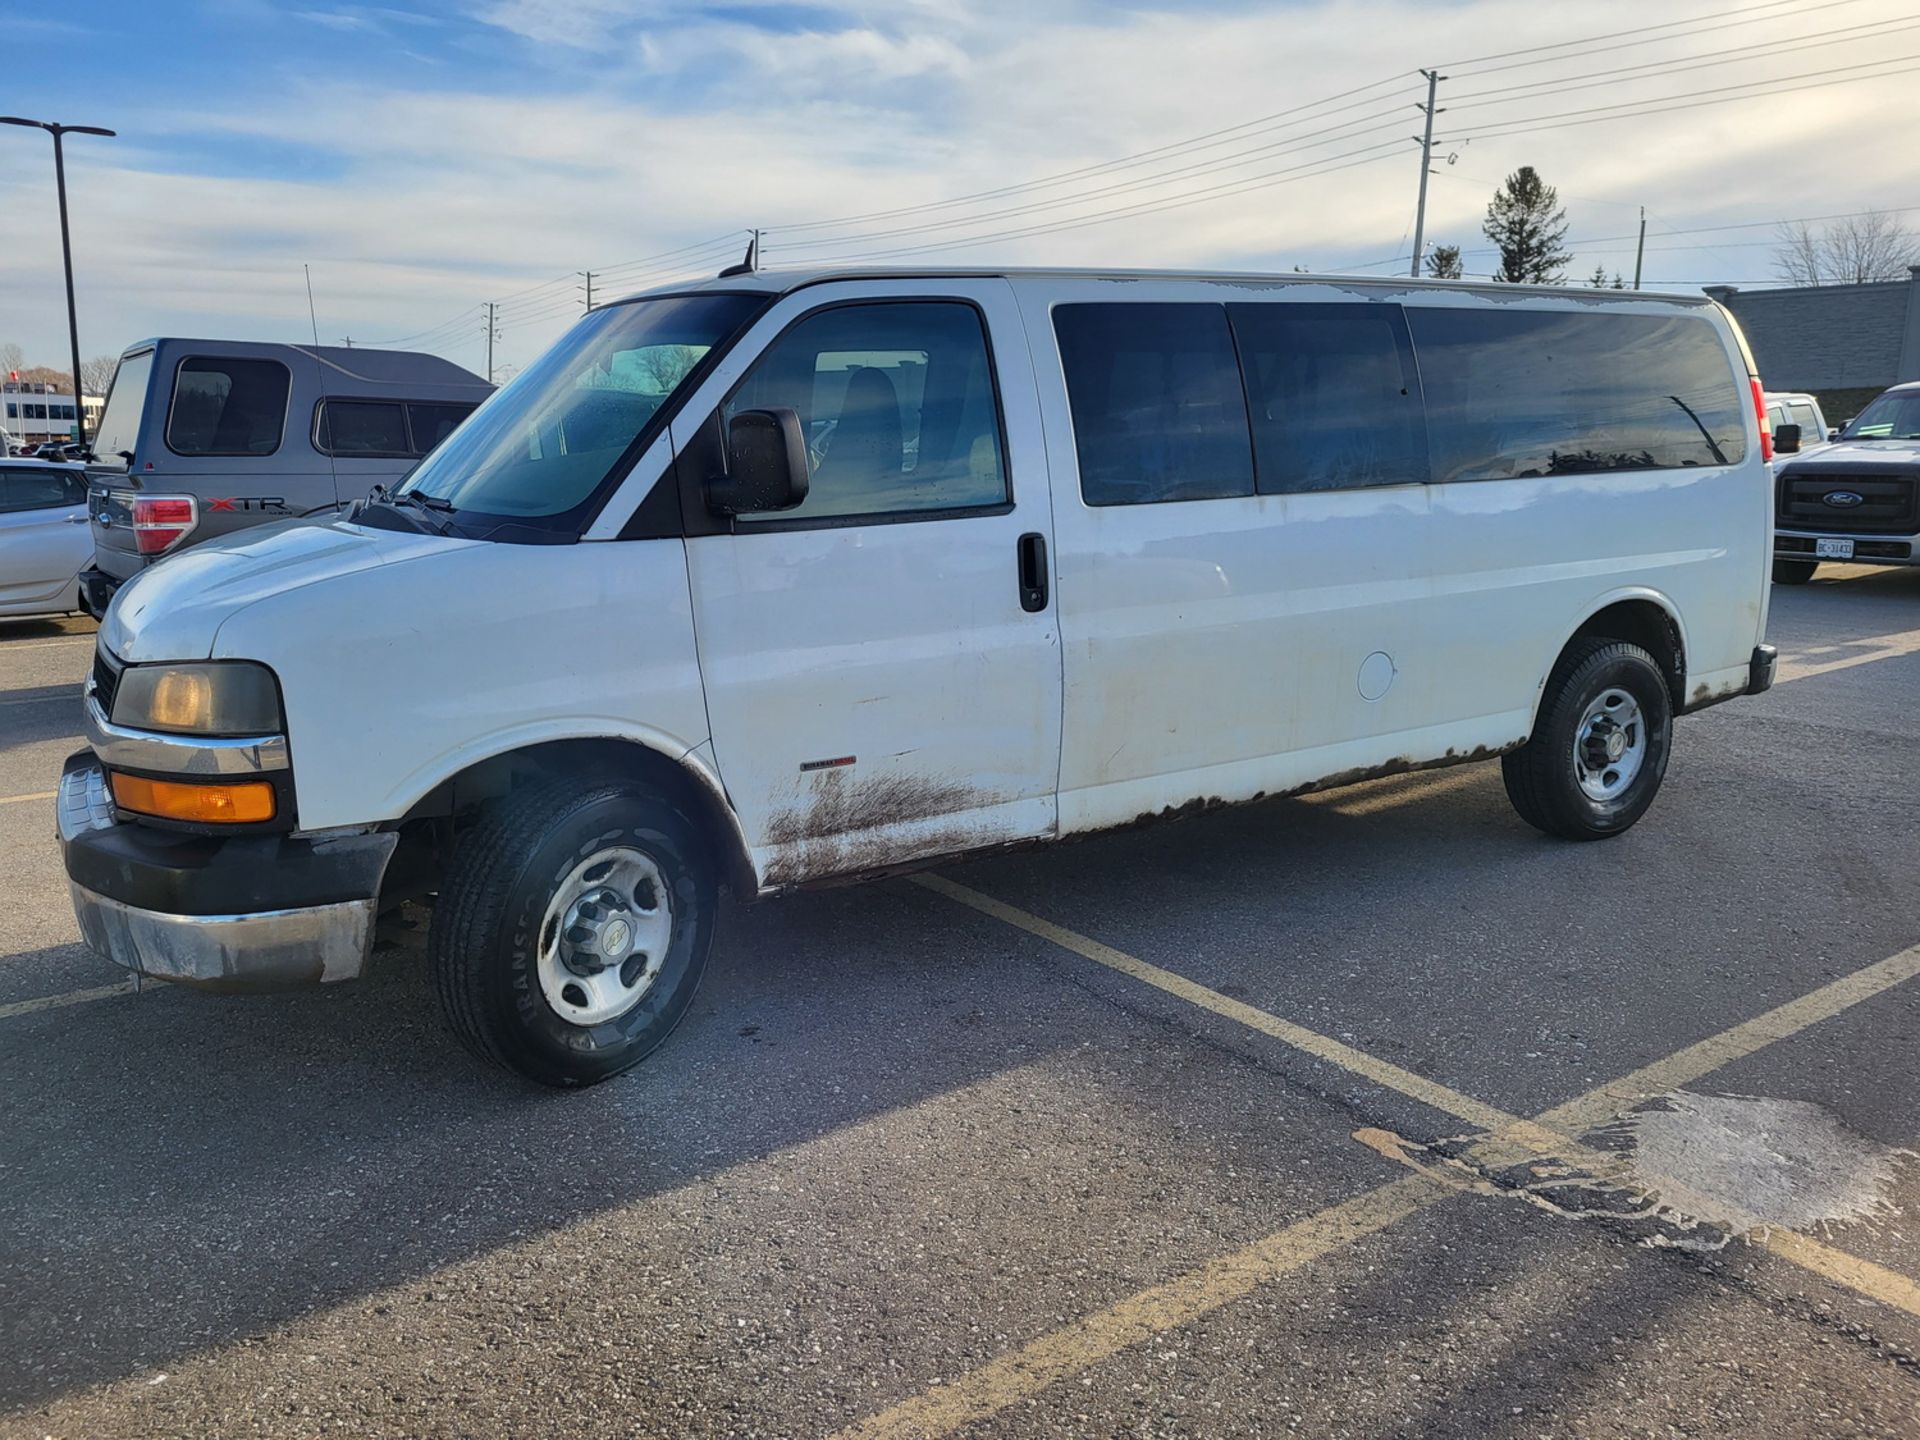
point(44, 539)
point(1801, 410)
point(1070, 550)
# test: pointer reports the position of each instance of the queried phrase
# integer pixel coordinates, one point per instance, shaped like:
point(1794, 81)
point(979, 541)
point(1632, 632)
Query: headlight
point(227, 697)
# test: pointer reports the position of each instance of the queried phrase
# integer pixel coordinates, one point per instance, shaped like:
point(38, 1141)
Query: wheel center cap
point(1616, 744)
point(616, 937)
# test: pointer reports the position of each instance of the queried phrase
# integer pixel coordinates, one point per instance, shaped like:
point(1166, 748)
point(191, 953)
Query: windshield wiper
point(415, 500)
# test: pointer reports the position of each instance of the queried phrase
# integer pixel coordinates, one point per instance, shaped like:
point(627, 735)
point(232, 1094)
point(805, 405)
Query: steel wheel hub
point(605, 936)
point(1609, 744)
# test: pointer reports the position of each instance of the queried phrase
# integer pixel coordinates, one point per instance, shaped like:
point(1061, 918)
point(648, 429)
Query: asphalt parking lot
point(1371, 1113)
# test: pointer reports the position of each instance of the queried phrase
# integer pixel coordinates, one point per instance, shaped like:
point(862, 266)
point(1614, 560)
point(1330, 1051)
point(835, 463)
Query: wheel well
point(459, 797)
point(1643, 623)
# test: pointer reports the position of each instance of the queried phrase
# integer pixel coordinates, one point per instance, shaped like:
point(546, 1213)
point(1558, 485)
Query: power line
point(1120, 162)
point(1645, 34)
point(1657, 105)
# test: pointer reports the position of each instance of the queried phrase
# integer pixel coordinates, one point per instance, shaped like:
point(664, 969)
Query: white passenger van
point(791, 578)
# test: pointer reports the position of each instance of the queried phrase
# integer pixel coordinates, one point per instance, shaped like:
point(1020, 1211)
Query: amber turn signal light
point(247, 803)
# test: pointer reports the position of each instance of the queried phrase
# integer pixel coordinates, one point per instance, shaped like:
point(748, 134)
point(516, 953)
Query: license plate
point(1833, 549)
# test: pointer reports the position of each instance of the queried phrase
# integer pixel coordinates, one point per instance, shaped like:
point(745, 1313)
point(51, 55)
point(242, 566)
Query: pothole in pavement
point(1687, 1170)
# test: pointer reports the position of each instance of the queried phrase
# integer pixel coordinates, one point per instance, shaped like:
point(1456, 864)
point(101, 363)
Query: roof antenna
point(751, 264)
point(312, 318)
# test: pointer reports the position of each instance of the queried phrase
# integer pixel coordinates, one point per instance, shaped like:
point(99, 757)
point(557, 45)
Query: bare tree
point(12, 357)
point(1850, 251)
point(96, 374)
point(1443, 263)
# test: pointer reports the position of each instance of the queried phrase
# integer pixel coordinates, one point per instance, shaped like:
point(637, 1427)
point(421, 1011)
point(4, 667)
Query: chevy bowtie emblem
point(1844, 499)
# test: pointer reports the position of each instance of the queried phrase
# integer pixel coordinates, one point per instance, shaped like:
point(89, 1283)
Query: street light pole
point(66, 251)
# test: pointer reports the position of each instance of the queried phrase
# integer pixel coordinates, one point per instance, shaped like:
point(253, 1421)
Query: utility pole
point(492, 335)
point(753, 254)
point(1641, 248)
point(589, 277)
point(66, 250)
point(347, 340)
point(1434, 77)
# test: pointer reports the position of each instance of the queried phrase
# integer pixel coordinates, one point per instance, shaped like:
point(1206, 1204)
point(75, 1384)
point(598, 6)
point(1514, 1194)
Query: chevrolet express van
point(200, 438)
point(782, 579)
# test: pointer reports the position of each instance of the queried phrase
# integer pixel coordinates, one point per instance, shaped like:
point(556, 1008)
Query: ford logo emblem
point(1844, 499)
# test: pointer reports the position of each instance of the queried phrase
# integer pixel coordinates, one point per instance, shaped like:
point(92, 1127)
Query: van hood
point(174, 610)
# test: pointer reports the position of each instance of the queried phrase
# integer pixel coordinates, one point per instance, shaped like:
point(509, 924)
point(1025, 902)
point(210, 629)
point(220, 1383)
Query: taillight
point(1760, 409)
point(162, 521)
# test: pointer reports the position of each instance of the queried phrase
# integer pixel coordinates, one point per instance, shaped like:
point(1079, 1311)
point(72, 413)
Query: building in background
point(33, 413)
point(1845, 343)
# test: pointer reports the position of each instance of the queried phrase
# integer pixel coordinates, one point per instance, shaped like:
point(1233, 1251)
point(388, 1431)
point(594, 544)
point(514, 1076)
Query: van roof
point(780, 282)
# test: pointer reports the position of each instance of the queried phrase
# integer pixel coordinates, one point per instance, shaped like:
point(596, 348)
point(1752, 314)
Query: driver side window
point(897, 404)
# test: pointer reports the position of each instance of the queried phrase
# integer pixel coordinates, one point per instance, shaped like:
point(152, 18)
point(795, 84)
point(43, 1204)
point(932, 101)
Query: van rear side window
point(1514, 393)
point(1334, 398)
point(227, 407)
point(1158, 409)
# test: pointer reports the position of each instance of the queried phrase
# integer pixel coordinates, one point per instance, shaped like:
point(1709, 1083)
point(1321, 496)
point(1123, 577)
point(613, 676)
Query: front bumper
point(1868, 549)
point(241, 912)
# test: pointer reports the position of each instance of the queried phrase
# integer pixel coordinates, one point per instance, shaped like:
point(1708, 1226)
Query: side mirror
point(766, 464)
point(1834, 434)
point(1786, 439)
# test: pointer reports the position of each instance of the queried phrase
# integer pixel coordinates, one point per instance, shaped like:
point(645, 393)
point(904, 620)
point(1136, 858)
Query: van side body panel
point(1218, 650)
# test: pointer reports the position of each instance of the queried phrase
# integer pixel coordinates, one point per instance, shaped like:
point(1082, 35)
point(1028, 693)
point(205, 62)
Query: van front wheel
point(573, 929)
point(1599, 747)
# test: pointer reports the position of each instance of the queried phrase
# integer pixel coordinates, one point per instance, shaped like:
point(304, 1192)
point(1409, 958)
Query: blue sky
point(425, 156)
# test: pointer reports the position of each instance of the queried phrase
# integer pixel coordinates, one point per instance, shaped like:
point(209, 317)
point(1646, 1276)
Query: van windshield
point(1893, 416)
point(541, 448)
point(119, 426)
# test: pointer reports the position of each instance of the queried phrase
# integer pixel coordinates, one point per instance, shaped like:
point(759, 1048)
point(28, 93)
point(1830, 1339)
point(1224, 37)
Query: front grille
point(106, 681)
point(1887, 503)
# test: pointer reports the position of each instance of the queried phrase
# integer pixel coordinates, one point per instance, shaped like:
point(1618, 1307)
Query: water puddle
point(1687, 1170)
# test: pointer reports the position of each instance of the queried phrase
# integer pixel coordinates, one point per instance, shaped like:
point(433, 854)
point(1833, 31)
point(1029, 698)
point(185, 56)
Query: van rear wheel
point(1794, 572)
point(1599, 747)
point(573, 929)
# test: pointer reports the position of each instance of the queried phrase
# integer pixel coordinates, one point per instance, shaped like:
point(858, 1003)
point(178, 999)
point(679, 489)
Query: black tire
point(1794, 572)
point(487, 927)
point(1543, 777)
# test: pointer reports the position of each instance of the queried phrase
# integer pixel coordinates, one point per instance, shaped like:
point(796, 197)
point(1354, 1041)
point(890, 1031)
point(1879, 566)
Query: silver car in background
point(44, 540)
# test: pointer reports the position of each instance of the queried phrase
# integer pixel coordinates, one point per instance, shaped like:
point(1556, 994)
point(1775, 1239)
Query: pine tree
point(1443, 263)
point(1598, 279)
point(1525, 220)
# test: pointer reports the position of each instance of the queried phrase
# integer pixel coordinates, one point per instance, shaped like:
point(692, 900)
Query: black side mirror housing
point(1834, 433)
point(1786, 439)
point(766, 464)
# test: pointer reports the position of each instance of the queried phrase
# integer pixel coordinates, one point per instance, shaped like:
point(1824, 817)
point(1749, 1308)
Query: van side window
point(1808, 419)
point(897, 403)
point(227, 407)
point(1158, 409)
point(1332, 392)
point(1517, 393)
point(362, 427)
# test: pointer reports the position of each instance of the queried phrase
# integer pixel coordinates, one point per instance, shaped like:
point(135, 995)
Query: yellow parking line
point(1323, 1047)
point(31, 795)
point(72, 997)
point(1087, 1341)
point(1024, 1373)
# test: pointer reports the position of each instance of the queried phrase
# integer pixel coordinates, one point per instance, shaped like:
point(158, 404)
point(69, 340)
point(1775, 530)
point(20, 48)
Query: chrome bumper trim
point(269, 950)
point(125, 749)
